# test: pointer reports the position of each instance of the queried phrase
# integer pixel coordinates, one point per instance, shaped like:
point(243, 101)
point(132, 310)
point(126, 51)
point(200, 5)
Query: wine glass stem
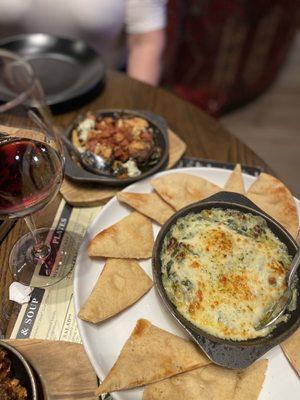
point(40, 249)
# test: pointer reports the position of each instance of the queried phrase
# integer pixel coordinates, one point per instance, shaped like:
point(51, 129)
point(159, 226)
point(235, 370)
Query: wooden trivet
point(63, 368)
point(89, 195)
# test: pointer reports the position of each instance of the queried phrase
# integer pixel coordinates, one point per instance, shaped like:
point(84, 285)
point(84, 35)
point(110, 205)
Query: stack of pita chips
point(273, 197)
point(150, 355)
point(176, 369)
point(208, 382)
point(122, 281)
point(180, 190)
point(269, 194)
point(173, 192)
point(211, 382)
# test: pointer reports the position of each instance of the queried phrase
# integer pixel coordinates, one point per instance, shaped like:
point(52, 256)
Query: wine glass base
point(47, 271)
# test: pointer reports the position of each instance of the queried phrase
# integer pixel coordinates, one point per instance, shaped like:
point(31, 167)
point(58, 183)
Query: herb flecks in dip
point(222, 269)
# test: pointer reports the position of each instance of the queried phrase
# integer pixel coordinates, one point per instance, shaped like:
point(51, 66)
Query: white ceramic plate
point(104, 342)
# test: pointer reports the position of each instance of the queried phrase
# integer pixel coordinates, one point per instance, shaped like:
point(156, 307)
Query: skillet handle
point(231, 197)
point(231, 356)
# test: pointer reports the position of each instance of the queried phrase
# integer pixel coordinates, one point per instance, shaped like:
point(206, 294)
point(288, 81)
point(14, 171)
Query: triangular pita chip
point(121, 283)
point(250, 381)
point(131, 237)
point(149, 204)
point(149, 355)
point(180, 190)
point(273, 197)
point(235, 182)
point(209, 382)
point(291, 348)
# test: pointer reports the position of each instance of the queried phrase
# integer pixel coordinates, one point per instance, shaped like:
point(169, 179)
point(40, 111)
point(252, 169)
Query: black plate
point(70, 71)
point(228, 353)
point(159, 126)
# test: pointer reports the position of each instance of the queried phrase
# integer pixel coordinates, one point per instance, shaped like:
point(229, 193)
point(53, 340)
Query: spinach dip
point(222, 269)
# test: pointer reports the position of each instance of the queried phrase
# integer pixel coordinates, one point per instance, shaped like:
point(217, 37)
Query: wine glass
point(31, 173)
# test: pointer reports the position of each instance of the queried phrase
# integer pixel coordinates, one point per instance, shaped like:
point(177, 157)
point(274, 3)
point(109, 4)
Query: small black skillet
point(159, 126)
point(228, 353)
point(22, 371)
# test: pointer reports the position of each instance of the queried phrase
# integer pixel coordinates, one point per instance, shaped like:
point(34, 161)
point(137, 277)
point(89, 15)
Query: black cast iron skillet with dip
point(76, 173)
point(228, 353)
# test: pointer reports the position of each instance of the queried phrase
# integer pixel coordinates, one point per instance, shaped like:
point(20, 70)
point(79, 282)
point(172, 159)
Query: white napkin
point(19, 293)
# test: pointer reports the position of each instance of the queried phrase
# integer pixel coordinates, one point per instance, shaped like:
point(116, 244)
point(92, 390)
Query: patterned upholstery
point(222, 53)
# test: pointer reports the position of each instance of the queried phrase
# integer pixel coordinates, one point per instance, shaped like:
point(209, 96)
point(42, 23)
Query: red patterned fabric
point(222, 53)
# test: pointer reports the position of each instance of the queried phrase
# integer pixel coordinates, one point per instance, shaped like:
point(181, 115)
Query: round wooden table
point(204, 136)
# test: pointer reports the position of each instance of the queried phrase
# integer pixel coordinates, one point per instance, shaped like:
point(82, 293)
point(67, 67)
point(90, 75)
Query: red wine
point(30, 176)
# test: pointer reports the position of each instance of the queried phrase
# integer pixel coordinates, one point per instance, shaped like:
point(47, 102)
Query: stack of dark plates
point(70, 71)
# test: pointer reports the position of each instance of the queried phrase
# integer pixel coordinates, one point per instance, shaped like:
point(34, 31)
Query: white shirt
point(101, 23)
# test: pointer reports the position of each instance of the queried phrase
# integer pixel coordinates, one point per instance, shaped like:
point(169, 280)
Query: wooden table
point(204, 136)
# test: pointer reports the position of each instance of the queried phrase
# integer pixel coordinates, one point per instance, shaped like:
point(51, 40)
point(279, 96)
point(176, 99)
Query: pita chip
point(180, 190)
point(235, 182)
point(121, 283)
point(131, 237)
point(149, 204)
point(291, 348)
point(149, 355)
point(273, 197)
point(250, 381)
point(209, 382)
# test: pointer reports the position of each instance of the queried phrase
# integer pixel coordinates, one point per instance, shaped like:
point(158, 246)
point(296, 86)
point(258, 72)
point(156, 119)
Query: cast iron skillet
point(159, 126)
point(228, 353)
point(22, 371)
point(70, 71)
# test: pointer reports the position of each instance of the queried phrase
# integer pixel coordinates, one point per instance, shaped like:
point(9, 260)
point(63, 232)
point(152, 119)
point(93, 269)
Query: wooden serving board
point(63, 368)
point(89, 195)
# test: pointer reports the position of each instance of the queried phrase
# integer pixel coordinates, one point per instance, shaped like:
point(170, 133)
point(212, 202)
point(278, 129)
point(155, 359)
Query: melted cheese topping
point(223, 269)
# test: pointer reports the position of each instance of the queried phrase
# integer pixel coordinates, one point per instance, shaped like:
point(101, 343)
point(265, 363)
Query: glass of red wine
point(31, 173)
